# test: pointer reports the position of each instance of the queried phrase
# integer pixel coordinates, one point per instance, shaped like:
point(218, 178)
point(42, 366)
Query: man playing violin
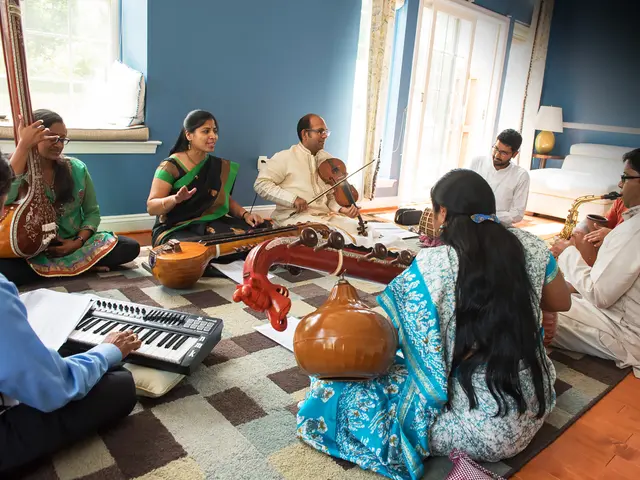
point(290, 179)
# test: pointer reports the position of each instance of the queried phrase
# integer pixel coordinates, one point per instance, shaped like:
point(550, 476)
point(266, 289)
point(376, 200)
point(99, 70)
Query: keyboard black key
point(180, 342)
point(147, 335)
point(100, 330)
point(91, 324)
point(153, 337)
point(115, 324)
point(175, 338)
point(172, 339)
point(84, 322)
point(164, 339)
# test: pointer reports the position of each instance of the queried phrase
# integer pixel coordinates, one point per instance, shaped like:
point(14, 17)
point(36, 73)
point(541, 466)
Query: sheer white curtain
point(535, 80)
point(381, 46)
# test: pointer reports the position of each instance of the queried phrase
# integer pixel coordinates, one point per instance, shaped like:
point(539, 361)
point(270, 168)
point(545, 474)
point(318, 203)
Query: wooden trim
point(601, 128)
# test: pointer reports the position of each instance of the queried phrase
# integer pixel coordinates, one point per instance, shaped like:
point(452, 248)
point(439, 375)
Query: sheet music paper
point(53, 315)
point(234, 270)
point(391, 230)
point(283, 338)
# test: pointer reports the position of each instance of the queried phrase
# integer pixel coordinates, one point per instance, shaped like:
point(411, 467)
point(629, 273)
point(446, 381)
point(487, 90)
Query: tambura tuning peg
point(335, 241)
point(172, 246)
point(308, 237)
point(378, 251)
point(405, 257)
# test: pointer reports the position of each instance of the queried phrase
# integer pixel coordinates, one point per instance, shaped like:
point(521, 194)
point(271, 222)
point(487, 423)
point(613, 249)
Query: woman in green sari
point(68, 185)
point(191, 190)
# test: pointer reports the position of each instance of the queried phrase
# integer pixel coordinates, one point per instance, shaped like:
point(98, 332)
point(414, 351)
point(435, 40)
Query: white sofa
point(589, 169)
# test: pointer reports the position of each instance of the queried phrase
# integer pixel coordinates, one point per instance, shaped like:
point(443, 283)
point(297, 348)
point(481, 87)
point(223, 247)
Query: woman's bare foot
point(98, 268)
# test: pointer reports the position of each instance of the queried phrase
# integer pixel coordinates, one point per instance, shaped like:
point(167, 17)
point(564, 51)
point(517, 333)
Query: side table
point(544, 158)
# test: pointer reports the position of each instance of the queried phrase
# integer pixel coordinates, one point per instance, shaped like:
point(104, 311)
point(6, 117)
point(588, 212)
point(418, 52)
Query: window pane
point(69, 47)
point(91, 19)
point(51, 95)
point(47, 57)
point(90, 60)
point(49, 16)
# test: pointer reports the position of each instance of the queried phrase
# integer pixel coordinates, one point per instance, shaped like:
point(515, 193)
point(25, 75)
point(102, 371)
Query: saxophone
point(572, 218)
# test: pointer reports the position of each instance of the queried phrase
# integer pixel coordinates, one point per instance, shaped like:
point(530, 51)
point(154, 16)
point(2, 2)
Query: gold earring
point(189, 145)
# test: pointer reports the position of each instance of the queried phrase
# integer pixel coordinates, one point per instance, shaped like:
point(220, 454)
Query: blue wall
point(258, 66)
point(592, 70)
point(520, 10)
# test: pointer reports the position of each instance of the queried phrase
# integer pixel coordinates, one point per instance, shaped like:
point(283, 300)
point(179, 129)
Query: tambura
point(426, 227)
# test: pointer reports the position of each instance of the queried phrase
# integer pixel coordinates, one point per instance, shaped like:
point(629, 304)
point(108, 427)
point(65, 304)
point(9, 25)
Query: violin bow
point(335, 185)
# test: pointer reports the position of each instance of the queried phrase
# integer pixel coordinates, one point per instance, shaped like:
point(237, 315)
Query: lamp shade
point(549, 119)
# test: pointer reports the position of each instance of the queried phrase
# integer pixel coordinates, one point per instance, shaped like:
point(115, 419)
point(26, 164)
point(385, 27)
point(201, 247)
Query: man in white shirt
point(604, 319)
point(509, 182)
point(290, 179)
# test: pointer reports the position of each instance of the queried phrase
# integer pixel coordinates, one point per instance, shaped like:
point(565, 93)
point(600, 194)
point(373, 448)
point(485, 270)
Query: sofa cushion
point(570, 184)
point(606, 169)
point(599, 150)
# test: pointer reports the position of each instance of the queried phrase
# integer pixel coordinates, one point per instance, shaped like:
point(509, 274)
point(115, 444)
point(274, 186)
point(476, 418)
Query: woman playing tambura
point(473, 373)
point(69, 187)
point(191, 190)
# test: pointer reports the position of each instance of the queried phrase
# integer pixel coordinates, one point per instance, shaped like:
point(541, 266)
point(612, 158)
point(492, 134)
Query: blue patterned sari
point(383, 424)
point(391, 424)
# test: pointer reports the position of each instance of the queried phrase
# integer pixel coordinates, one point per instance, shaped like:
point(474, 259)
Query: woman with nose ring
point(79, 246)
point(191, 190)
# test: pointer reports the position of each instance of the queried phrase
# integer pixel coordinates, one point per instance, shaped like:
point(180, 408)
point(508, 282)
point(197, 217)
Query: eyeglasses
point(624, 178)
point(62, 140)
point(320, 131)
point(502, 153)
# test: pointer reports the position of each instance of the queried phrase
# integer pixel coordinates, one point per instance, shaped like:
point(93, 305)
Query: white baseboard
point(142, 221)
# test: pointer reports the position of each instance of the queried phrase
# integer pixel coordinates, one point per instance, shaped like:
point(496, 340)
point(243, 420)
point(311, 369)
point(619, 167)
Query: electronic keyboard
point(171, 340)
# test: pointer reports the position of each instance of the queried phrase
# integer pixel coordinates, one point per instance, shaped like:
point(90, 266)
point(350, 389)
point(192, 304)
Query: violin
point(332, 171)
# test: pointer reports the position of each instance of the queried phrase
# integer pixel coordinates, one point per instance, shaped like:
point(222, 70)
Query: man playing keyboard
point(48, 402)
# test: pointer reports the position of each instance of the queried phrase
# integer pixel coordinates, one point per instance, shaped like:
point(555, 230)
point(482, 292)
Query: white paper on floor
point(283, 338)
point(234, 270)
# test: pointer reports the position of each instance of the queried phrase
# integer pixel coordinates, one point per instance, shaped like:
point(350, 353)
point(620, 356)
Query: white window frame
point(99, 146)
point(468, 11)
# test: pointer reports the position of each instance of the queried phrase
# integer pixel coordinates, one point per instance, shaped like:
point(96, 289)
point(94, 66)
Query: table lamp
point(548, 120)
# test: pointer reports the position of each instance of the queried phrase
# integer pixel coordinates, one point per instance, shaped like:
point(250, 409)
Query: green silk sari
point(82, 213)
point(213, 178)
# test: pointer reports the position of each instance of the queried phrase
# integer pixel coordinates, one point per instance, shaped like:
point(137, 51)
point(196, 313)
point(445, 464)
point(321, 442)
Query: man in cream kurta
point(509, 182)
point(290, 179)
point(604, 319)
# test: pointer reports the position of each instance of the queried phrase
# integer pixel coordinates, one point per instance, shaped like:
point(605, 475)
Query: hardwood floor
point(603, 444)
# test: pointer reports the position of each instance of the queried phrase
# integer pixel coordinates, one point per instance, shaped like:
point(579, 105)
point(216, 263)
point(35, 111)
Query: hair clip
point(481, 217)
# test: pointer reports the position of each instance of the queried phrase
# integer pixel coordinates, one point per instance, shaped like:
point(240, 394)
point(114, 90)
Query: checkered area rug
point(234, 418)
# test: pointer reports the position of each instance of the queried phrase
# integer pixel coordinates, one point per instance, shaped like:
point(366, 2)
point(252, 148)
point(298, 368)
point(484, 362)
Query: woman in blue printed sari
point(471, 372)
